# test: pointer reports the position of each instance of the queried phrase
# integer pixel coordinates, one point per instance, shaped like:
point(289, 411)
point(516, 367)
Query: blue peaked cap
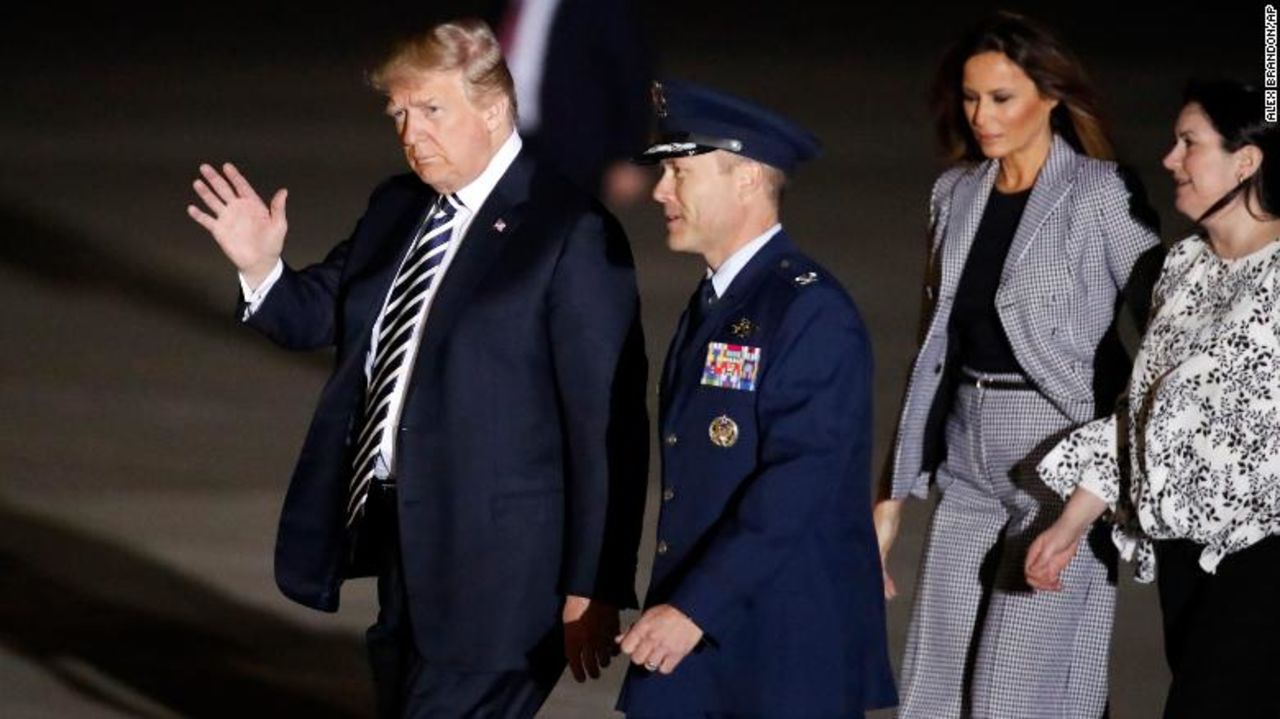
point(693, 119)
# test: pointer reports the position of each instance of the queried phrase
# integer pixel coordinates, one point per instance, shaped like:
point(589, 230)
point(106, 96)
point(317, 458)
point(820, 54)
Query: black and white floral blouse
point(1201, 432)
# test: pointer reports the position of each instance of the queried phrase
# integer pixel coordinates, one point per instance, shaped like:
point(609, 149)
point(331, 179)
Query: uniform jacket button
point(662, 547)
point(671, 439)
point(668, 494)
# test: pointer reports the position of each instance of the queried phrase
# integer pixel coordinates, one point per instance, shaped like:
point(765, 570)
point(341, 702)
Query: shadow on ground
point(74, 602)
point(60, 256)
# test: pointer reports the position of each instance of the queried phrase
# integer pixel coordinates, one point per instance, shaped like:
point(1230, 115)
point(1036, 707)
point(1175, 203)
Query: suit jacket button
point(668, 494)
point(662, 547)
point(671, 439)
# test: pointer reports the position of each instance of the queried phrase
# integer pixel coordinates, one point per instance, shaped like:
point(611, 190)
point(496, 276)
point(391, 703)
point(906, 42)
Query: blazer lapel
point(497, 219)
point(672, 361)
point(1055, 179)
point(971, 194)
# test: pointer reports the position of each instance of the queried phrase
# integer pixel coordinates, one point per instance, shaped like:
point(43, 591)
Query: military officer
point(766, 598)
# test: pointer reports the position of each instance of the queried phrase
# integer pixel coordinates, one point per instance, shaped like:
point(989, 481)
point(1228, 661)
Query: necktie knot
point(446, 207)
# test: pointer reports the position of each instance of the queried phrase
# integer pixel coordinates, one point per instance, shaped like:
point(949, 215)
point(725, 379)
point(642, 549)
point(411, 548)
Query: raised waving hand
point(250, 233)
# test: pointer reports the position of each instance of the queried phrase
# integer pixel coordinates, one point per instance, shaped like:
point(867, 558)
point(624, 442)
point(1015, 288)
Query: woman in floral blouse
point(1191, 467)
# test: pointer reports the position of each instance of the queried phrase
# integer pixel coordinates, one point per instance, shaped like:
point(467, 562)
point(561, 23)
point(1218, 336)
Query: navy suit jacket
point(521, 450)
point(767, 544)
point(594, 101)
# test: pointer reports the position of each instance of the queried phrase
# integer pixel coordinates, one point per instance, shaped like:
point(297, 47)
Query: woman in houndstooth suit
point(1034, 239)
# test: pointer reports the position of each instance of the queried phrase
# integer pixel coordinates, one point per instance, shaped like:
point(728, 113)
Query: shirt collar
point(723, 276)
point(474, 194)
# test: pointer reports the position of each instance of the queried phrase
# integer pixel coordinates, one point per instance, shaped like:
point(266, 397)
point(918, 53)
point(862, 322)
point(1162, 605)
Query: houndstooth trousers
point(981, 643)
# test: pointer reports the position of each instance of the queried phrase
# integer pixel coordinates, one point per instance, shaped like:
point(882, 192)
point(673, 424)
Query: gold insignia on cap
point(743, 328)
point(723, 431)
point(807, 278)
point(659, 99)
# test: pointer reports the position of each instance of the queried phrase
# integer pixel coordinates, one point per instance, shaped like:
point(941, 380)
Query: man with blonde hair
point(480, 446)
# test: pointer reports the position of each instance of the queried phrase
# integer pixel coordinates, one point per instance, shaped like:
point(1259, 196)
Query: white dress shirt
point(471, 198)
point(723, 275)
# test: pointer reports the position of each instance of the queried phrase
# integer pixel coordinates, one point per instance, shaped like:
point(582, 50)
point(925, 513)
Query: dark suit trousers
point(408, 687)
point(1221, 631)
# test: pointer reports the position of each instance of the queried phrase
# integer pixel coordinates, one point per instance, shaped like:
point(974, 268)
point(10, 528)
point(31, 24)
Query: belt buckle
point(982, 383)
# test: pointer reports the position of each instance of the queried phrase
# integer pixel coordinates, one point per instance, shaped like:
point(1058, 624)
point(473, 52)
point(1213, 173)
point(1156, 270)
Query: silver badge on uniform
point(723, 431)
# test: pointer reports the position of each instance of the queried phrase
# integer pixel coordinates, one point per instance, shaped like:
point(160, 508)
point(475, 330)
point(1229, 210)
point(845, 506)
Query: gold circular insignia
point(723, 431)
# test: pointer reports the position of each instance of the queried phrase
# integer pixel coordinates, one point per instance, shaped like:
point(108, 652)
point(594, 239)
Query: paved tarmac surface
point(145, 439)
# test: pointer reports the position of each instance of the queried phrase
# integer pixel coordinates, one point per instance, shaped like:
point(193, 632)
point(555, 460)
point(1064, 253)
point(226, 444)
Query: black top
point(981, 343)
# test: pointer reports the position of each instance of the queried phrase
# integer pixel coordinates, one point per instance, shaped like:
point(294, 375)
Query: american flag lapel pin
point(500, 225)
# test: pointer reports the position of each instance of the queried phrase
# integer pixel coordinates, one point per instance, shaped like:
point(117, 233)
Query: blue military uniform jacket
point(765, 534)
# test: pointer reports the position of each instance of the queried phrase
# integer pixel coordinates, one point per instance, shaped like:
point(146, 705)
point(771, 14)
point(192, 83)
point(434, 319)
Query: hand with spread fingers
point(250, 233)
point(660, 639)
point(589, 627)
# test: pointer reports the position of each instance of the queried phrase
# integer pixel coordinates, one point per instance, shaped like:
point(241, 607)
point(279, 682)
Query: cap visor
point(664, 150)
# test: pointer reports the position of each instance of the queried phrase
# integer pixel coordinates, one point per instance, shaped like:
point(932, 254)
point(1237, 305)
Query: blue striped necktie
point(400, 321)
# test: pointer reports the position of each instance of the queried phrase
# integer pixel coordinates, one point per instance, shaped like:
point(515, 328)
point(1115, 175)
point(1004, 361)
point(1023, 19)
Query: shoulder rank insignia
point(743, 328)
point(731, 366)
point(807, 278)
point(723, 431)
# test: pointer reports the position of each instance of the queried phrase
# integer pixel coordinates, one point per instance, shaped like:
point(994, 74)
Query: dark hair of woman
point(1055, 71)
point(1235, 111)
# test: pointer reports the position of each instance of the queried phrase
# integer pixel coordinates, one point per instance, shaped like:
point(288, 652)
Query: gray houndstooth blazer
point(1071, 255)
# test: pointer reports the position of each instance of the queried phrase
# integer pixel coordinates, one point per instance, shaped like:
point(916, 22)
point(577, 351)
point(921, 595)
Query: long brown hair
point(1055, 71)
